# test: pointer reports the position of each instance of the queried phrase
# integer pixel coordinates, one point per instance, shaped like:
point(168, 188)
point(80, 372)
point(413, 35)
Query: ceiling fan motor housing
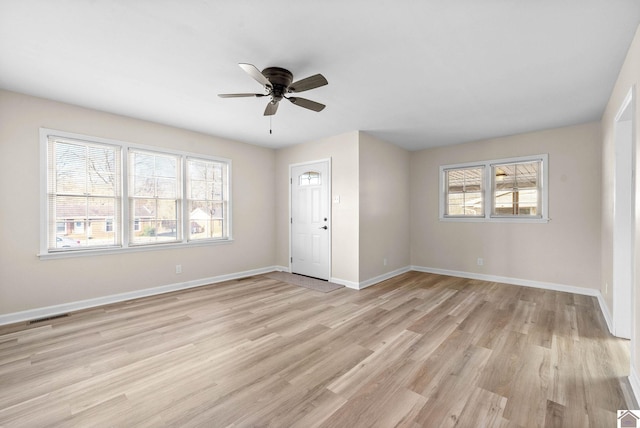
point(280, 79)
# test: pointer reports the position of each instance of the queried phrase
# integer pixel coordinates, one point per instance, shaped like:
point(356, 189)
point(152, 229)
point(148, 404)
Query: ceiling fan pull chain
point(270, 125)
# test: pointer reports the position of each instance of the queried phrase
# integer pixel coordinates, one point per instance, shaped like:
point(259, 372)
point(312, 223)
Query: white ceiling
point(415, 73)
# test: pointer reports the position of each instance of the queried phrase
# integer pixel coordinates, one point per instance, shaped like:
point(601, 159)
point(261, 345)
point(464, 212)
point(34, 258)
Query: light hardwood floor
point(419, 350)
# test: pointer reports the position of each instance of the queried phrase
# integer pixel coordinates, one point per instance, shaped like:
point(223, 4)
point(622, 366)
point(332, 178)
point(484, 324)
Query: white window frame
point(443, 173)
point(487, 184)
point(126, 226)
point(131, 197)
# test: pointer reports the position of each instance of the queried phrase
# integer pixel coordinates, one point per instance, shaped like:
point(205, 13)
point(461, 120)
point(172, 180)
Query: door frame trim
point(329, 206)
point(624, 220)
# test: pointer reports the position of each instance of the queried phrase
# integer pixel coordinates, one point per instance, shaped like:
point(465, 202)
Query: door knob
point(323, 227)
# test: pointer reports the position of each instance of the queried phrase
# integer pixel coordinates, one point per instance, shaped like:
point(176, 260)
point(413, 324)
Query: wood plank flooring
point(419, 350)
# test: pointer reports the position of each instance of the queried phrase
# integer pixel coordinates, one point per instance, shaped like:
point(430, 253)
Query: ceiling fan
point(277, 85)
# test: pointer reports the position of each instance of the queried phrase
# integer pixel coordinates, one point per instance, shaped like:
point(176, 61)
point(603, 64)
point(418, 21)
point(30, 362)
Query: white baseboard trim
point(634, 380)
point(371, 281)
point(349, 284)
point(282, 269)
point(605, 312)
point(49, 311)
point(383, 277)
point(512, 281)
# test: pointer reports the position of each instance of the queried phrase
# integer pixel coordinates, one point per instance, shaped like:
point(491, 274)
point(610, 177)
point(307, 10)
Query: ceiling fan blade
point(252, 71)
point(311, 82)
point(303, 102)
point(240, 95)
point(271, 109)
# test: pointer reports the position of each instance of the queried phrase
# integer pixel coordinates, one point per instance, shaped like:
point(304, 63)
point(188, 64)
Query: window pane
point(455, 204)
point(166, 188)
point(143, 164)
point(143, 186)
point(207, 220)
point(215, 190)
point(198, 189)
point(101, 171)
point(504, 203)
point(309, 178)
point(70, 168)
point(473, 204)
point(527, 175)
point(154, 175)
point(155, 220)
point(165, 166)
point(101, 211)
point(505, 177)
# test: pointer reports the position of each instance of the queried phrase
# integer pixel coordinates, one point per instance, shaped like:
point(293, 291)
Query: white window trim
point(126, 247)
point(488, 197)
point(443, 187)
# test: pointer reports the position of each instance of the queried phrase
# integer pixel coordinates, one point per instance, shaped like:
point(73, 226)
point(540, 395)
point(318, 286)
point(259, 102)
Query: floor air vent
point(53, 317)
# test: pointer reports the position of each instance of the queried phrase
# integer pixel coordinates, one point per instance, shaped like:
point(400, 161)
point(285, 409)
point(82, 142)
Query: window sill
point(494, 220)
point(133, 249)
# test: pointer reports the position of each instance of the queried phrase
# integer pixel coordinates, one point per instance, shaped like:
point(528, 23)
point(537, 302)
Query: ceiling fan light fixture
point(276, 82)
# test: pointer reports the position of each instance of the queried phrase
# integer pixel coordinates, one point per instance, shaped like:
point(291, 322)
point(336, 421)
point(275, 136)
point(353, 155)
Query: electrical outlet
point(480, 261)
point(178, 268)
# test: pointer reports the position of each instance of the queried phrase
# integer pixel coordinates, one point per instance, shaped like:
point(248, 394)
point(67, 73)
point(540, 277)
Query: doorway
point(623, 220)
point(310, 218)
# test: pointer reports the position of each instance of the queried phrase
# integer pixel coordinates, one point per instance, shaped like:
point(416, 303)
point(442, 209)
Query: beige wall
point(628, 78)
point(564, 251)
point(384, 207)
point(343, 151)
point(26, 282)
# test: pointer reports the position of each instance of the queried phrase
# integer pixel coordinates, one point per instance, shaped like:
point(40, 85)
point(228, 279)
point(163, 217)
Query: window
point(154, 197)
point(206, 198)
point(309, 178)
point(464, 192)
point(515, 189)
point(94, 200)
point(83, 185)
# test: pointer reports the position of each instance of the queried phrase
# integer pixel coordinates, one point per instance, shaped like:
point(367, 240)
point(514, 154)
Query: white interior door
point(310, 219)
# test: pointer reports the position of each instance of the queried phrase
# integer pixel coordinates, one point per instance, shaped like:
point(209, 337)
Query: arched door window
point(309, 178)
